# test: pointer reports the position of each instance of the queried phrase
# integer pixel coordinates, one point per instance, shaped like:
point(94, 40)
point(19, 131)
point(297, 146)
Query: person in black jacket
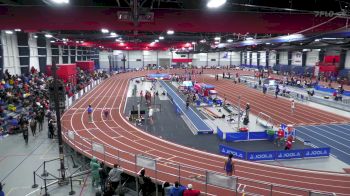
point(103, 176)
point(25, 131)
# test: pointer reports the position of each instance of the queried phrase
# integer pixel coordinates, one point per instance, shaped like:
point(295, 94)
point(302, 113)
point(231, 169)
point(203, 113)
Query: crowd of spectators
point(24, 100)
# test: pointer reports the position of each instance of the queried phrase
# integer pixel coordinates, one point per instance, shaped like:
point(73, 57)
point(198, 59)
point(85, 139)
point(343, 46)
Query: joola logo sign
point(257, 156)
point(293, 154)
point(272, 155)
point(317, 152)
point(236, 153)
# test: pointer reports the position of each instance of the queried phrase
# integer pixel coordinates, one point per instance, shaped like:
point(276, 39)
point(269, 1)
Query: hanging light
point(48, 36)
point(9, 32)
point(161, 37)
point(170, 32)
point(60, 1)
point(230, 40)
point(113, 34)
point(156, 41)
point(217, 38)
point(215, 3)
point(104, 30)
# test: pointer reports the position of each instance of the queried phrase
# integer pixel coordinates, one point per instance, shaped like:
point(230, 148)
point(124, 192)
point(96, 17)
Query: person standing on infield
point(229, 165)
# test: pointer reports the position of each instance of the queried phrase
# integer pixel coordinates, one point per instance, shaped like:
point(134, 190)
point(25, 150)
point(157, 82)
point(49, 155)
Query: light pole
point(58, 119)
point(239, 112)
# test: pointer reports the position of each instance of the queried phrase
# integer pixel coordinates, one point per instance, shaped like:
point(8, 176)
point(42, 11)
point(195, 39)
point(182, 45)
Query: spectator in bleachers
point(103, 175)
point(166, 188)
point(114, 176)
point(1, 191)
point(145, 183)
point(190, 192)
point(95, 175)
point(177, 189)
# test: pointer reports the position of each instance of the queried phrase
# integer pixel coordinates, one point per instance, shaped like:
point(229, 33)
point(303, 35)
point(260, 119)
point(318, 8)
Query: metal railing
point(164, 170)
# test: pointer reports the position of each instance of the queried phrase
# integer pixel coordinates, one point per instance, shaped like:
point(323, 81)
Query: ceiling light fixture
point(81, 42)
point(203, 41)
point(156, 40)
point(48, 36)
point(60, 1)
point(215, 3)
point(17, 30)
point(332, 38)
point(35, 36)
point(230, 40)
point(161, 37)
point(249, 38)
point(170, 32)
point(152, 44)
point(104, 30)
point(77, 42)
point(267, 43)
point(193, 43)
point(121, 44)
point(217, 38)
point(317, 40)
point(113, 34)
point(52, 41)
point(9, 32)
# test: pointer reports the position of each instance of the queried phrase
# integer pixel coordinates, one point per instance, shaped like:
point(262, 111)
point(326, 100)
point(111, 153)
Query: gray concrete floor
point(18, 161)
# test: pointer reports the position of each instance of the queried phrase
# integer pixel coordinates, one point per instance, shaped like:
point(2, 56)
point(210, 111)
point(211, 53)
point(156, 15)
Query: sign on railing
point(321, 194)
point(220, 180)
point(146, 162)
point(71, 135)
point(98, 147)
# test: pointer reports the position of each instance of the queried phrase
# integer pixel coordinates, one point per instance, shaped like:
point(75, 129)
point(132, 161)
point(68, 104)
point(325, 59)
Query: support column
point(207, 59)
point(219, 58)
point(128, 60)
point(303, 58)
point(250, 58)
point(231, 58)
point(267, 53)
point(342, 59)
point(289, 58)
point(258, 59)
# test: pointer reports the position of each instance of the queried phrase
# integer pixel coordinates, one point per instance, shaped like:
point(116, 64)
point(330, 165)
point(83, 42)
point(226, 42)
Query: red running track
point(123, 140)
point(279, 109)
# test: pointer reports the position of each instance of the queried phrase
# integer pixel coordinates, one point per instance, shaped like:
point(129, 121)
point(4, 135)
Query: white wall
point(283, 60)
point(262, 58)
point(48, 53)
point(272, 58)
point(103, 59)
point(312, 57)
point(33, 52)
point(200, 59)
point(10, 51)
point(347, 60)
point(297, 58)
point(254, 58)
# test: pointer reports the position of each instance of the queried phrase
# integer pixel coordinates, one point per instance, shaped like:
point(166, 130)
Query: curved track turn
point(123, 140)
